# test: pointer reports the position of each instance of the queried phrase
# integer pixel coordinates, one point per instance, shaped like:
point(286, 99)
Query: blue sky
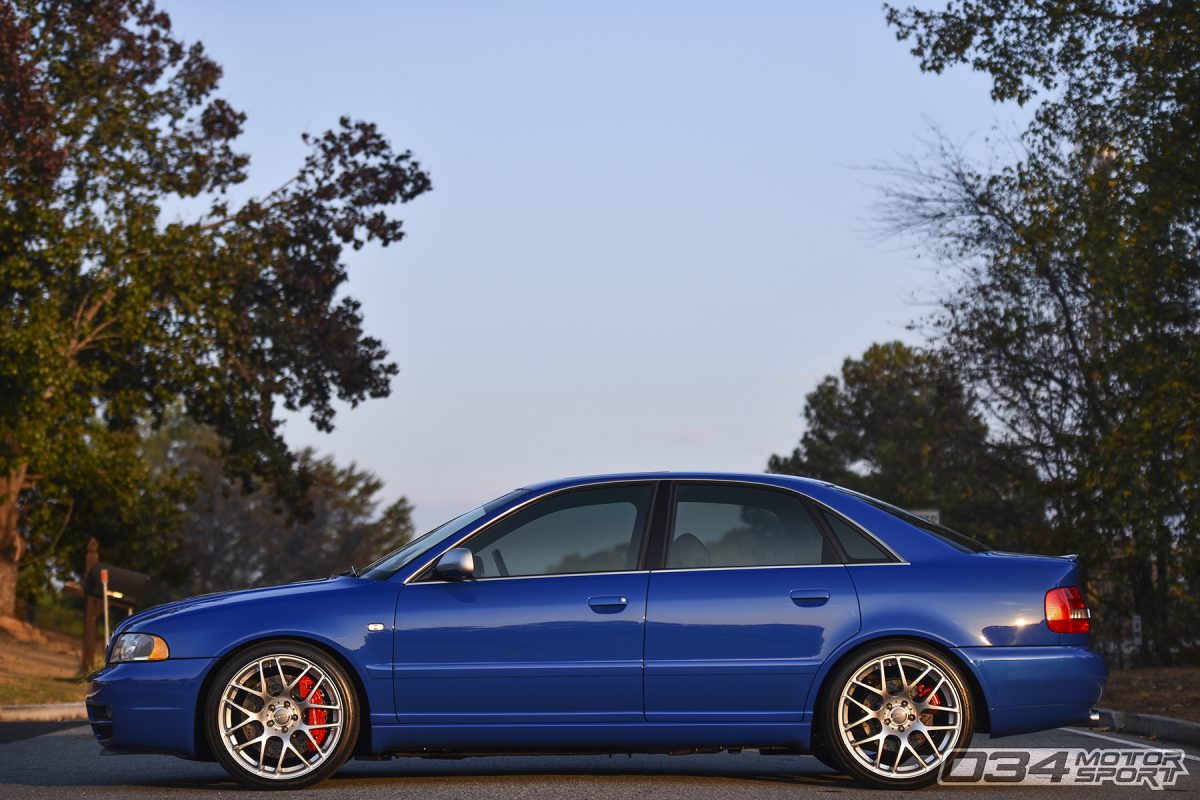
point(650, 234)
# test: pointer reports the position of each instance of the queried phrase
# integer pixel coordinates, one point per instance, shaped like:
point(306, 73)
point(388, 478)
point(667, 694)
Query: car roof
point(748, 477)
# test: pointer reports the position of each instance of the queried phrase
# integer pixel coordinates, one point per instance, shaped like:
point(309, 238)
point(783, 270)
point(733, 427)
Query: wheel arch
point(983, 721)
point(363, 743)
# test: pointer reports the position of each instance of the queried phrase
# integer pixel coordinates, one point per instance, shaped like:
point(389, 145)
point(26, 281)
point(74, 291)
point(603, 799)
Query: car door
point(551, 628)
point(750, 599)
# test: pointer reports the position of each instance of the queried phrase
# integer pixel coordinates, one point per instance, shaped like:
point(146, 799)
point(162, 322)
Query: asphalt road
point(61, 760)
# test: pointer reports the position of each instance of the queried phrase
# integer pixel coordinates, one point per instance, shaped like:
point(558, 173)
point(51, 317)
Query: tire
point(295, 731)
point(895, 713)
point(823, 753)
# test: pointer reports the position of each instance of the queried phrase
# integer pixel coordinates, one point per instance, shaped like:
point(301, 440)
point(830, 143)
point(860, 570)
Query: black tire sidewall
point(829, 711)
point(329, 665)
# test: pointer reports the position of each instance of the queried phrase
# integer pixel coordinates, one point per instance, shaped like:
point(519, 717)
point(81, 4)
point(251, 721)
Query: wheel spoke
point(240, 708)
point(861, 705)
point(855, 724)
point(936, 752)
point(899, 755)
point(870, 688)
point(292, 685)
point(260, 738)
point(917, 682)
point(316, 745)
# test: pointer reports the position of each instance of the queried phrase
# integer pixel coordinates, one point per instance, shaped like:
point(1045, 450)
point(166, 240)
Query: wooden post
point(91, 607)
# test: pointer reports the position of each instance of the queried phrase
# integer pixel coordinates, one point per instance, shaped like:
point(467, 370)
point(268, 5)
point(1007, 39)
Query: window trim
point(662, 514)
point(425, 573)
point(890, 555)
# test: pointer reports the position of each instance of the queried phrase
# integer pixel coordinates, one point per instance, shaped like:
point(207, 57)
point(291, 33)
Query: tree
point(898, 425)
point(1075, 314)
point(230, 538)
point(109, 312)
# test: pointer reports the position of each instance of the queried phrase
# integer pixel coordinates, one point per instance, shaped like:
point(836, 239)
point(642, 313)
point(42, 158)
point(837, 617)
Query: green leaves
point(899, 425)
point(109, 314)
point(1075, 311)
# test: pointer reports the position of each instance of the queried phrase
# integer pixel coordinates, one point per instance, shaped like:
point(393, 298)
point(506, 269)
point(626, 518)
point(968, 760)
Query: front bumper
point(1037, 688)
point(147, 706)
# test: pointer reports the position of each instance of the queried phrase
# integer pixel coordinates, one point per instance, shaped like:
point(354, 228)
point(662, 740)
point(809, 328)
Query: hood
point(218, 599)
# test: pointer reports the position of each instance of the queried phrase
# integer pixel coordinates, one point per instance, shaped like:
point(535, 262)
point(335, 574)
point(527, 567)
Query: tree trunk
point(10, 539)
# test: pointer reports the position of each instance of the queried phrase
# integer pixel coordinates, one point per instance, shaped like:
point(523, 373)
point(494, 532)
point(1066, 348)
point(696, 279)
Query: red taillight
point(1066, 612)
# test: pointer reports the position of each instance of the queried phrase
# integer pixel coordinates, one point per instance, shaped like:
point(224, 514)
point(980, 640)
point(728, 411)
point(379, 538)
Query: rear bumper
point(147, 706)
point(1037, 688)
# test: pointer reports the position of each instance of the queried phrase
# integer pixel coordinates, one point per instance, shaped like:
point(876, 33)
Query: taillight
point(1066, 612)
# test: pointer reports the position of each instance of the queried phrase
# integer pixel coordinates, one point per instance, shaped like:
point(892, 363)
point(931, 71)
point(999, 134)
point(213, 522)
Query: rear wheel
point(895, 714)
point(281, 715)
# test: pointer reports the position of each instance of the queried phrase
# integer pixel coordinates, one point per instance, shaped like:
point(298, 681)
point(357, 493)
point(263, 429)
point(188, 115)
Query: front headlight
point(138, 647)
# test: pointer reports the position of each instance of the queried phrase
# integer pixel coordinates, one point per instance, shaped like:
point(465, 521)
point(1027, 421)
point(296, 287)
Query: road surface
point(61, 760)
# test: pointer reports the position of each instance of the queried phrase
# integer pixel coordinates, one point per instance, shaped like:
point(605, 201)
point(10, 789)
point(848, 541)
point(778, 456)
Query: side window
point(859, 548)
point(585, 530)
point(741, 526)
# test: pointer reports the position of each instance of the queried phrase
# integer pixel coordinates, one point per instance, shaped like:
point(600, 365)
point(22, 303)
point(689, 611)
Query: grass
point(40, 672)
point(1165, 691)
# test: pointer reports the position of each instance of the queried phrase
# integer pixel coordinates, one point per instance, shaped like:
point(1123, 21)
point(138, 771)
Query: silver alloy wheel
point(280, 716)
point(900, 715)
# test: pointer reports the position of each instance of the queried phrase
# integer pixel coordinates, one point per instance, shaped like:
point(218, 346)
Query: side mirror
point(457, 564)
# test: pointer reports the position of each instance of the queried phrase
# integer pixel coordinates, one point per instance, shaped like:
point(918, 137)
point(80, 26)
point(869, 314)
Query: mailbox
point(125, 587)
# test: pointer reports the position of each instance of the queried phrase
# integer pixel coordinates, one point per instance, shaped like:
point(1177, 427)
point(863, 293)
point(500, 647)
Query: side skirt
point(646, 737)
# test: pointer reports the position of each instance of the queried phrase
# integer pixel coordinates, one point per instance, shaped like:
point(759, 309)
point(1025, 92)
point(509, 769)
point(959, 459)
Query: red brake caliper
point(316, 716)
point(923, 691)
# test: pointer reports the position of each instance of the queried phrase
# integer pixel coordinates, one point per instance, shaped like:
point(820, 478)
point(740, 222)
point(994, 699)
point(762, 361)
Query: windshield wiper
point(352, 572)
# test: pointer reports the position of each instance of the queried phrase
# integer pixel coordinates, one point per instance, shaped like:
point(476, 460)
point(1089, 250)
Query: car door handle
point(809, 597)
point(608, 603)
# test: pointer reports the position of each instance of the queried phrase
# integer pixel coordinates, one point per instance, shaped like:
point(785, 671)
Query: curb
point(50, 712)
point(1165, 728)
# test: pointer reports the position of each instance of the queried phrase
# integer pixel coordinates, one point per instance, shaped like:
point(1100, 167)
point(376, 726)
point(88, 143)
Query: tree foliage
point(1075, 312)
point(110, 312)
point(230, 538)
point(897, 424)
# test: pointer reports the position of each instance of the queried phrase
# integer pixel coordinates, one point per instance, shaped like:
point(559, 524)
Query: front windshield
point(387, 566)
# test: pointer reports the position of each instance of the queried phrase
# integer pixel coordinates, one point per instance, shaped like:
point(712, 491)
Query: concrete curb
point(50, 712)
point(1165, 728)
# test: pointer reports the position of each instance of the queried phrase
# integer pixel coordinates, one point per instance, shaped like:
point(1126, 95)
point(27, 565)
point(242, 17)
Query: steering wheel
point(500, 567)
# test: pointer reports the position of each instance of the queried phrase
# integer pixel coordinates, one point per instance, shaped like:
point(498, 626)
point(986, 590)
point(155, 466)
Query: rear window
point(959, 541)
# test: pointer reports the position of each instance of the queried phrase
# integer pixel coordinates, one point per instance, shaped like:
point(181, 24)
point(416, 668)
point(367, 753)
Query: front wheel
point(895, 714)
point(281, 715)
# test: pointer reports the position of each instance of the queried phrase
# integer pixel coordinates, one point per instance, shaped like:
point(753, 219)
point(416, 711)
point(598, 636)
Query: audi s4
point(637, 613)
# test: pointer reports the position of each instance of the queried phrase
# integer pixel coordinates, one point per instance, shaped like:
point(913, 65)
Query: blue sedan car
point(619, 614)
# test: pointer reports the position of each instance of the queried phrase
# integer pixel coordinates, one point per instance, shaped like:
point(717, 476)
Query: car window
point(859, 548)
point(959, 541)
point(401, 557)
point(583, 530)
point(742, 526)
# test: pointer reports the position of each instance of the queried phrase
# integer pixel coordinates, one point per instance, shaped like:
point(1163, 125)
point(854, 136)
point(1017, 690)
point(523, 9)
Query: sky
point(653, 228)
